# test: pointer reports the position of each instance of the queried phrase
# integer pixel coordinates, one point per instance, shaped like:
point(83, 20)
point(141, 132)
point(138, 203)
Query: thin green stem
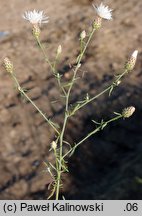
point(101, 127)
point(98, 129)
point(114, 84)
point(61, 87)
point(60, 157)
point(27, 97)
point(77, 67)
point(93, 98)
point(44, 54)
point(53, 67)
point(66, 115)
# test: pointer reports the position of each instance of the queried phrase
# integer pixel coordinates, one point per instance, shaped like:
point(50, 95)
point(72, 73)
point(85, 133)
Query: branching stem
point(36, 107)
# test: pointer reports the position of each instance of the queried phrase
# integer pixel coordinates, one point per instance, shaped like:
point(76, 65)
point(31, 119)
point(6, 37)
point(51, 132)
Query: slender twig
point(108, 89)
point(52, 66)
point(27, 97)
point(44, 54)
point(100, 127)
point(77, 67)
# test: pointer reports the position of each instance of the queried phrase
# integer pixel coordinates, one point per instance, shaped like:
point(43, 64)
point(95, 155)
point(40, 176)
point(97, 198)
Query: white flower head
point(103, 11)
point(35, 17)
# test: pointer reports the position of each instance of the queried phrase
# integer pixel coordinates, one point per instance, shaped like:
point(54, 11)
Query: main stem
point(66, 115)
point(60, 158)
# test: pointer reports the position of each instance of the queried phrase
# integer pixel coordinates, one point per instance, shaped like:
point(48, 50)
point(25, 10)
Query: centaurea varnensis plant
point(36, 18)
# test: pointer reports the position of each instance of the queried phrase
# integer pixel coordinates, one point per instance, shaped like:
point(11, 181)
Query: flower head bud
point(59, 50)
point(97, 23)
point(127, 112)
point(83, 34)
point(132, 61)
point(78, 66)
point(8, 65)
point(118, 82)
point(36, 31)
point(54, 145)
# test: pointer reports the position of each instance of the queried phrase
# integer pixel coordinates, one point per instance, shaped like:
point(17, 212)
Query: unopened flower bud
point(132, 61)
point(8, 65)
point(97, 23)
point(54, 145)
point(118, 82)
point(83, 35)
point(59, 50)
point(58, 75)
point(127, 112)
point(36, 31)
point(79, 65)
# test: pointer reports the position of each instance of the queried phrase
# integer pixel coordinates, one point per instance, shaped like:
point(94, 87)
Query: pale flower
point(83, 34)
point(54, 145)
point(35, 17)
point(103, 11)
point(8, 65)
point(134, 54)
point(127, 112)
point(131, 61)
point(59, 50)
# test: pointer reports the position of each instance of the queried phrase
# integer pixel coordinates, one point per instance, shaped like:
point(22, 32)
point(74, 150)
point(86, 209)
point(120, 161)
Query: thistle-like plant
point(56, 169)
